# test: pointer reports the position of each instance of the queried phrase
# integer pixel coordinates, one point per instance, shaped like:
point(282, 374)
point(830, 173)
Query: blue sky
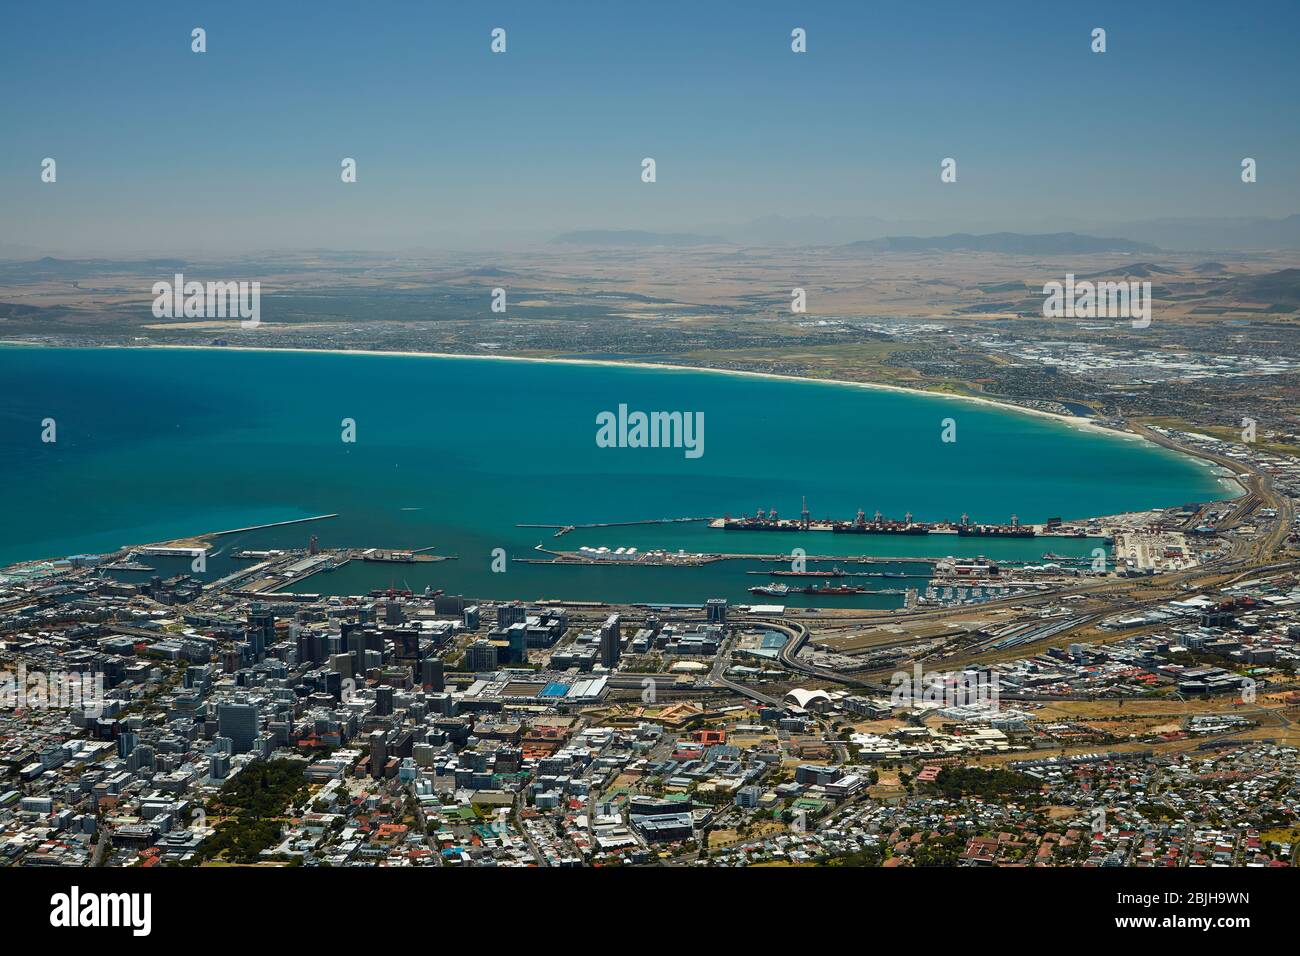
point(162, 150)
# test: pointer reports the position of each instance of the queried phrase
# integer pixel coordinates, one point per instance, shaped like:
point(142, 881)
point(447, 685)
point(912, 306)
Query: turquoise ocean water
point(453, 453)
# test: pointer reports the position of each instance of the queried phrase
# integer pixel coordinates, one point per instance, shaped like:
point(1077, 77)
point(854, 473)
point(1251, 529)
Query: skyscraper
point(481, 656)
point(431, 676)
point(716, 610)
point(238, 720)
point(611, 638)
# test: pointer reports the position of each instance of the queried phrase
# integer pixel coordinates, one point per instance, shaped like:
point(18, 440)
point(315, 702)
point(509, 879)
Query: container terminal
point(965, 527)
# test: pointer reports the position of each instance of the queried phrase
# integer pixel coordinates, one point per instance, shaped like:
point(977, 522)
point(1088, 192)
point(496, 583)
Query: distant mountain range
point(1014, 243)
point(867, 234)
point(1181, 235)
point(1243, 233)
point(1281, 288)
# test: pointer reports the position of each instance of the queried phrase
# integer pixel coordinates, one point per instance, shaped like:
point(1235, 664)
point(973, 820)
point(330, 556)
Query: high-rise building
point(126, 742)
point(342, 663)
point(611, 639)
point(238, 720)
point(406, 646)
point(219, 766)
point(517, 636)
point(378, 754)
point(261, 632)
point(431, 675)
point(481, 656)
point(716, 610)
point(513, 613)
point(142, 758)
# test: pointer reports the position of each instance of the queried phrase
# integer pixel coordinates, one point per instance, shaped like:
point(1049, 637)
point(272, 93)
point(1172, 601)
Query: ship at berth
point(965, 527)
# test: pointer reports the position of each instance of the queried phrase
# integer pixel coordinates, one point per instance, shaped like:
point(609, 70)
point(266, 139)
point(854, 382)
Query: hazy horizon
point(163, 151)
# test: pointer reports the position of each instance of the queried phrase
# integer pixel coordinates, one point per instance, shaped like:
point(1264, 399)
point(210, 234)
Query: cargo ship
point(879, 525)
point(838, 590)
point(761, 521)
point(967, 529)
point(832, 573)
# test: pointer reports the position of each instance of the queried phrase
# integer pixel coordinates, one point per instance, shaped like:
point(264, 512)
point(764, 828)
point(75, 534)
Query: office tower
point(384, 701)
point(393, 613)
point(406, 646)
point(142, 758)
point(716, 610)
point(306, 647)
point(517, 635)
point(610, 640)
point(378, 754)
point(238, 721)
point(219, 766)
point(449, 604)
point(431, 675)
point(481, 656)
point(341, 663)
point(261, 627)
point(513, 613)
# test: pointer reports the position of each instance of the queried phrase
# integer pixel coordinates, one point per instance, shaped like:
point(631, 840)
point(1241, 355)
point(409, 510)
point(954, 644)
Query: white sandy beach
point(1071, 420)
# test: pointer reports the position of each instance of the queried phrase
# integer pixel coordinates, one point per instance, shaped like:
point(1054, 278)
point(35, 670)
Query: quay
point(272, 524)
point(562, 529)
point(678, 559)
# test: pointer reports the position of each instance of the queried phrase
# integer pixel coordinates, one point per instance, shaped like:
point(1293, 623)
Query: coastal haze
point(709, 437)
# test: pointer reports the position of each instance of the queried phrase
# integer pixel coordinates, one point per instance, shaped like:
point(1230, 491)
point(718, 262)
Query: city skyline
point(356, 368)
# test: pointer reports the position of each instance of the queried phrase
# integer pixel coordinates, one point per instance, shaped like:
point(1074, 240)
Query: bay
point(453, 453)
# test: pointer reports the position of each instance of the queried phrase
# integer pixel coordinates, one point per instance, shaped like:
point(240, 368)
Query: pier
point(272, 524)
point(678, 559)
point(563, 529)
